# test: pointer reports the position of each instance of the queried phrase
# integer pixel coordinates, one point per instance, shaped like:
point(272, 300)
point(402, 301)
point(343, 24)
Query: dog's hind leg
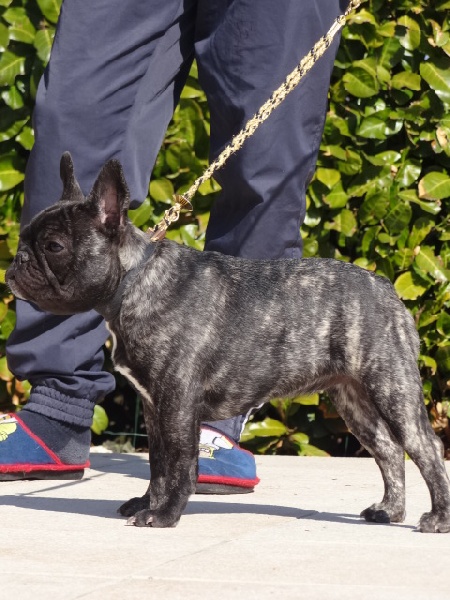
point(365, 422)
point(403, 408)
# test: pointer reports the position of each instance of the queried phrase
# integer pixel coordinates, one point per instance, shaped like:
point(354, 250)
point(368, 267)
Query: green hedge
point(380, 196)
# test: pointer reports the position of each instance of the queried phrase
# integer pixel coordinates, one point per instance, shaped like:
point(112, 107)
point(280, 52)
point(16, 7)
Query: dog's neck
point(135, 250)
point(132, 248)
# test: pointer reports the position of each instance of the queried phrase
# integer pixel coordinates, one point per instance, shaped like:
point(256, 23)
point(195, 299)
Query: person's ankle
point(69, 442)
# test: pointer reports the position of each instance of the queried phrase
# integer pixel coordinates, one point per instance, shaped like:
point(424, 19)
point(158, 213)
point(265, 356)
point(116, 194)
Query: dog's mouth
point(14, 285)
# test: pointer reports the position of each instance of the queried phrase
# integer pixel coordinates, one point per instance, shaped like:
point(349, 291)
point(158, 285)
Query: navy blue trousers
point(113, 81)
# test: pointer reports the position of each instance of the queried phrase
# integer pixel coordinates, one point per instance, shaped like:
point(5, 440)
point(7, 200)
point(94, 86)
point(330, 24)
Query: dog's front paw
point(130, 508)
point(151, 518)
point(433, 523)
point(382, 513)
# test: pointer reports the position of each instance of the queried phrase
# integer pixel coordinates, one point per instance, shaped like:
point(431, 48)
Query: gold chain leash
point(292, 80)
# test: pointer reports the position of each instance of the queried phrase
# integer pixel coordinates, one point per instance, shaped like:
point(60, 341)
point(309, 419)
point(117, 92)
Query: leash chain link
point(292, 80)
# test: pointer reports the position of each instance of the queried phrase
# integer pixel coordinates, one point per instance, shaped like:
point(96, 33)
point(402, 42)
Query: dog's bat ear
point(110, 197)
point(71, 188)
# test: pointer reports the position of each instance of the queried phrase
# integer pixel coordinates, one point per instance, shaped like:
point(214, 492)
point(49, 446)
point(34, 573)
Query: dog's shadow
point(120, 464)
point(107, 509)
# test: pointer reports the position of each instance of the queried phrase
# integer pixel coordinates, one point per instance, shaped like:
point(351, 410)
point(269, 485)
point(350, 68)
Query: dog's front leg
point(173, 439)
point(134, 505)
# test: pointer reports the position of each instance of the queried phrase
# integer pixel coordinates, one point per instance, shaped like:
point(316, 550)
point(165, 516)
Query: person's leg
point(113, 81)
point(244, 52)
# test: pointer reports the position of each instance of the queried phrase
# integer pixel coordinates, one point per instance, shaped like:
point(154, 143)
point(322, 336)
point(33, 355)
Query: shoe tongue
point(210, 437)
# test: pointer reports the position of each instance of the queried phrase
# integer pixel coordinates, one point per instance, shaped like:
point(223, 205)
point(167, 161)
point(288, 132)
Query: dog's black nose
point(22, 257)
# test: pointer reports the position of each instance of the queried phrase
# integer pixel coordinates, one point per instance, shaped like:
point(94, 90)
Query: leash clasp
point(170, 216)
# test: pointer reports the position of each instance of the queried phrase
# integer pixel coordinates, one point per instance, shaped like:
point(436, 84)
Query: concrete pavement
point(298, 536)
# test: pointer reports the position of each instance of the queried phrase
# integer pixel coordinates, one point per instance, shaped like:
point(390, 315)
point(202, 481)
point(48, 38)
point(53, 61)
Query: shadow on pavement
point(108, 508)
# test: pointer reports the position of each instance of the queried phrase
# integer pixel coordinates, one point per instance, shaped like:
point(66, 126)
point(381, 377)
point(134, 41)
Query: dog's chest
point(121, 364)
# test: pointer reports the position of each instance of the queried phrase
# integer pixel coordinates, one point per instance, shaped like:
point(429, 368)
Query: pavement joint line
point(280, 581)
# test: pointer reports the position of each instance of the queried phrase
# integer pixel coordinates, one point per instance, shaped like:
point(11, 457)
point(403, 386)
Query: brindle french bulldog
point(203, 336)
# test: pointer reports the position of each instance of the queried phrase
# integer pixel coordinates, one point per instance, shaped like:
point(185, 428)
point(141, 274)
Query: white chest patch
point(126, 372)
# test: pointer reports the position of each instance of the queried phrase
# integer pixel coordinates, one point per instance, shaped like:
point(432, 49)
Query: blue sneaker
point(224, 467)
point(23, 455)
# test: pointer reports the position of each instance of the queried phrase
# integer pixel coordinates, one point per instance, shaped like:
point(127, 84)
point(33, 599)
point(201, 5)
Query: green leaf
point(344, 222)
point(300, 438)
point(9, 131)
point(50, 9)
point(162, 190)
point(360, 83)
point(310, 450)
point(209, 187)
point(5, 373)
point(10, 172)
point(372, 128)
point(429, 263)
point(4, 37)
point(43, 44)
point(329, 177)
point(375, 128)
point(352, 164)
point(428, 361)
point(408, 286)
point(411, 39)
point(388, 157)
point(406, 79)
point(434, 186)
point(398, 218)
point(390, 53)
point(443, 325)
point(7, 324)
point(267, 428)
point(141, 215)
point(100, 420)
point(3, 311)
point(337, 198)
point(374, 208)
point(188, 235)
point(26, 138)
point(311, 400)
point(11, 66)
point(433, 207)
point(443, 360)
point(408, 173)
point(12, 98)
point(189, 91)
point(21, 28)
point(438, 79)
point(419, 231)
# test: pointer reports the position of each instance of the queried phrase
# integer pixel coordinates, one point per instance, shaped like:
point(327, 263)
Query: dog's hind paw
point(131, 507)
point(432, 523)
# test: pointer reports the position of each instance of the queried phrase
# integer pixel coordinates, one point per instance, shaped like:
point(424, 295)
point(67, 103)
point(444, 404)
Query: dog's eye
point(53, 247)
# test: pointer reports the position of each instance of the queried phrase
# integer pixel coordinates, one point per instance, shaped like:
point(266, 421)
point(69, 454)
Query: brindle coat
point(204, 336)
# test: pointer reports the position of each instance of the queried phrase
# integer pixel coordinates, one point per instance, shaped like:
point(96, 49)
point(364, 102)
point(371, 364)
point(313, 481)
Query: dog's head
point(68, 256)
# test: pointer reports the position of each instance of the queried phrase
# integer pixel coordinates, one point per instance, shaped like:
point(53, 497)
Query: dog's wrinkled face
point(67, 261)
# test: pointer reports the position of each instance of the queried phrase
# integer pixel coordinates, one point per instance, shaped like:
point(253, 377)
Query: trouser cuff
point(53, 404)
